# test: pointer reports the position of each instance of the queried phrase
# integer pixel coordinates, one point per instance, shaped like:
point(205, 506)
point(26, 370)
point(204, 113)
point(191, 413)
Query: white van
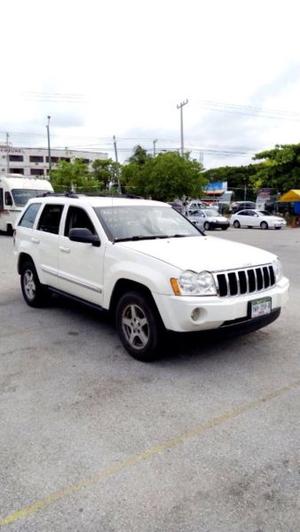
point(15, 191)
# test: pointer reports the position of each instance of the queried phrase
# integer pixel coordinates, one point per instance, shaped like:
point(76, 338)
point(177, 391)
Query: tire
point(139, 326)
point(206, 226)
point(34, 293)
point(225, 228)
point(236, 224)
point(264, 225)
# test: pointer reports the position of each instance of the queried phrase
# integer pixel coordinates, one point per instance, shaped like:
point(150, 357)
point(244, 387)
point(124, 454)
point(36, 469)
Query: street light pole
point(49, 149)
point(154, 145)
point(180, 106)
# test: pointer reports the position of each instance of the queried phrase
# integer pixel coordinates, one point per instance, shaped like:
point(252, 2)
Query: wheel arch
point(23, 257)
point(123, 286)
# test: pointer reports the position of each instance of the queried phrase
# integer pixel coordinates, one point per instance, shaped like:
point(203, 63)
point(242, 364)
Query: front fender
point(148, 271)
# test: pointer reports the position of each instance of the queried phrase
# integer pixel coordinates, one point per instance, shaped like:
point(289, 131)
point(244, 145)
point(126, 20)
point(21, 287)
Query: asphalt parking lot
point(206, 439)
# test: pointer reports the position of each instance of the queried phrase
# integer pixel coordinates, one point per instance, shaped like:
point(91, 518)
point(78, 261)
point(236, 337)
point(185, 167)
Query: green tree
point(165, 177)
point(73, 175)
point(139, 155)
point(281, 167)
point(237, 178)
point(105, 171)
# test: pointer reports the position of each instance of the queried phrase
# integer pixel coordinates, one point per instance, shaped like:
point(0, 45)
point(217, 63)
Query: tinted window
point(29, 215)
point(78, 218)
point(50, 219)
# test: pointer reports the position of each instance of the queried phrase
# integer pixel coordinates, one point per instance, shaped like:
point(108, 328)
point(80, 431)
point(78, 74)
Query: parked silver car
point(208, 219)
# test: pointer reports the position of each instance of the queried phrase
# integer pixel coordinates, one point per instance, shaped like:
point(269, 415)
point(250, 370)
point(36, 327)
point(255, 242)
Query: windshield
point(142, 222)
point(21, 195)
point(212, 212)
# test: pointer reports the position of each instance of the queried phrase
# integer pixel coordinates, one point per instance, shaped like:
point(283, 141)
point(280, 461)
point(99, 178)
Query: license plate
point(260, 307)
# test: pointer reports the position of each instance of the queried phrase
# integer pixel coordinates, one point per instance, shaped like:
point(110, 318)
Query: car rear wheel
point(236, 224)
point(34, 293)
point(206, 226)
point(264, 225)
point(138, 326)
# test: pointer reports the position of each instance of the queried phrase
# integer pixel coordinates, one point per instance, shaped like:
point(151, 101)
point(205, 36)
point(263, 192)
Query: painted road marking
point(145, 455)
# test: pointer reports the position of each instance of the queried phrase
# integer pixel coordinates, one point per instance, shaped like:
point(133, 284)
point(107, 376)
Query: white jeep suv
point(146, 264)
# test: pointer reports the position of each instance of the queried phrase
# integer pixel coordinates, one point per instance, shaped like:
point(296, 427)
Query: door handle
point(64, 250)
point(35, 240)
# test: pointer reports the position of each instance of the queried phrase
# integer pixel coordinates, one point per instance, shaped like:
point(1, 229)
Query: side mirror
point(8, 199)
point(85, 236)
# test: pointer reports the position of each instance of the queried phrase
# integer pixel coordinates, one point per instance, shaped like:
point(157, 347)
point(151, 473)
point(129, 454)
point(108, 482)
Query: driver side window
point(77, 218)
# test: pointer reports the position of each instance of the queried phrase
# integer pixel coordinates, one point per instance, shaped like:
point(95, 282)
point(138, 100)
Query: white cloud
point(131, 62)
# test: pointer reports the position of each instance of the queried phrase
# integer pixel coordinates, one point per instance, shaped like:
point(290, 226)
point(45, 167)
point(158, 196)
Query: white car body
point(92, 274)
point(12, 188)
point(255, 218)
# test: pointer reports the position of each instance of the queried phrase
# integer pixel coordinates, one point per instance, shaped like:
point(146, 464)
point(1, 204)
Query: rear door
point(80, 264)
point(45, 240)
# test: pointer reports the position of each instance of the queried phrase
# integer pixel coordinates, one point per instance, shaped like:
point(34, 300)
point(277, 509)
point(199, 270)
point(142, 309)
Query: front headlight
point(196, 284)
point(277, 267)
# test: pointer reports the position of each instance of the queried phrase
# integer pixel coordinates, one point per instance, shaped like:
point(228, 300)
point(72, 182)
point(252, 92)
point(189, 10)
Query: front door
point(80, 264)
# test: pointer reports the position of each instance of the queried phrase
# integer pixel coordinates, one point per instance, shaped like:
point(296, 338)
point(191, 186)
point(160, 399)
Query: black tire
point(236, 224)
point(224, 228)
point(264, 225)
point(206, 226)
point(34, 293)
point(139, 326)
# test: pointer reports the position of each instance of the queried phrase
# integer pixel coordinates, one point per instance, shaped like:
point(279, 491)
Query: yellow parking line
point(145, 455)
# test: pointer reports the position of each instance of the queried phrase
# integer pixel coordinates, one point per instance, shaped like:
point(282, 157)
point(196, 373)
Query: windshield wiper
point(140, 237)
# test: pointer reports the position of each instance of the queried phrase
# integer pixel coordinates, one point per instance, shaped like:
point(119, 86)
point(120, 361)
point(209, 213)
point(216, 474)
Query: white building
point(35, 161)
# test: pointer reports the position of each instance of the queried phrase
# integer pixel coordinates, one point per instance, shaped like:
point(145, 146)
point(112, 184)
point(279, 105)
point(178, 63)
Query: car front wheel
point(35, 294)
point(206, 226)
point(264, 225)
point(138, 326)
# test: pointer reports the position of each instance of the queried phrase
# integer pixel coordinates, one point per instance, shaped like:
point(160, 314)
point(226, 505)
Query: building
point(35, 161)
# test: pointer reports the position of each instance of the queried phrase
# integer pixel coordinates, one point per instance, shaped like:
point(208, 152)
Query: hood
point(201, 253)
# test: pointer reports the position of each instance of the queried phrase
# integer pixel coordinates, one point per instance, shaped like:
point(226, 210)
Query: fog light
point(196, 313)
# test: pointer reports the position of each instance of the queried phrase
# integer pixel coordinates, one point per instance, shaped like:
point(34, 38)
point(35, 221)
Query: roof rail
point(58, 194)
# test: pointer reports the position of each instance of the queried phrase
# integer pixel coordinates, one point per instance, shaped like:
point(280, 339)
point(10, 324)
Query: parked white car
point(254, 218)
point(146, 264)
point(208, 219)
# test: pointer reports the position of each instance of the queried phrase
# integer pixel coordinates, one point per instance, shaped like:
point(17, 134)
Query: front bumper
point(214, 312)
point(219, 225)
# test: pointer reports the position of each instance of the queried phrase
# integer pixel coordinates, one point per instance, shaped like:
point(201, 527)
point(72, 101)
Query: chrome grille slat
point(256, 279)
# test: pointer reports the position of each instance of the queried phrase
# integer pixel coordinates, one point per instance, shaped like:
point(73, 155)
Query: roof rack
point(58, 194)
point(129, 196)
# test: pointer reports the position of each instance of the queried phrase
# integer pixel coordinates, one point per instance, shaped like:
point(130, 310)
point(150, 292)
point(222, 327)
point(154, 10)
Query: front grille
point(245, 281)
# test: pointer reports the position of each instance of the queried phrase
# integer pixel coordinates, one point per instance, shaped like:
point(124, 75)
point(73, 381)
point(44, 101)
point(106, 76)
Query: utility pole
point(7, 153)
point(154, 144)
point(180, 106)
point(117, 161)
point(49, 149)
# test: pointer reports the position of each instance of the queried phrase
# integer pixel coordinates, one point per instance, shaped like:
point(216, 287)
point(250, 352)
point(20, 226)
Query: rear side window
point(50, 219)
point(29, 215)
